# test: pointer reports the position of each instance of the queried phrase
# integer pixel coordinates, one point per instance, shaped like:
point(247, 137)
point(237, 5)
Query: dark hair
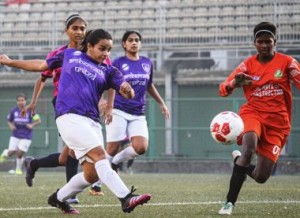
point(264, 27)
point(72, 18)
point(21, 95)
point(93, 37)
point(129, 32)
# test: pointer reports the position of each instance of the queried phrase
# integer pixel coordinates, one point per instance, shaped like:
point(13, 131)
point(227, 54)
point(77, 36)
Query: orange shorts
point(271, 141)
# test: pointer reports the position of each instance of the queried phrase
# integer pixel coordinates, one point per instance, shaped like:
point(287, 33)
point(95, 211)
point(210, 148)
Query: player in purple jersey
point(129, 115)
point(21, 127)
point(75, 29)
point(83, 80)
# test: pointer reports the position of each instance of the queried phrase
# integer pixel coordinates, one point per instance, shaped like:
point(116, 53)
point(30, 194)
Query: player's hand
point(5, 60)
point(29, 126)
point(126, 90)
point(108, 114)
point(30, 107)
point(242, 79)
point(165, 111)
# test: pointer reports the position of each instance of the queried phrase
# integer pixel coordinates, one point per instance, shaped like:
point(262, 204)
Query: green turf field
point(182, 195)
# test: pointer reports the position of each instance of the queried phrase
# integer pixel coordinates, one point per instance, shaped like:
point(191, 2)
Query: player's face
point(133, 43)
point(76, 31)
point(21, 102)
point(100, 51)
point(265, 45)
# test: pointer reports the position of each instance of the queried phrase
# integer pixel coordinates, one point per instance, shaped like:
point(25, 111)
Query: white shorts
point(126, 125)
point(80, 133)
point(19, 144)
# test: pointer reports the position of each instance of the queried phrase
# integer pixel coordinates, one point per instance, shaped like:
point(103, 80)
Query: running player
point(265, 79)
point(77, 116)
point(21, 128)
point(129, 115)
point(75, 29)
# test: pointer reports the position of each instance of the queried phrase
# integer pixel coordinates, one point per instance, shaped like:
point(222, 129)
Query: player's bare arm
point(28, 65)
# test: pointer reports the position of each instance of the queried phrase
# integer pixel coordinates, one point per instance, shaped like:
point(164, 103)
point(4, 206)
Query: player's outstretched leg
point(33, 164)
point(237, 179)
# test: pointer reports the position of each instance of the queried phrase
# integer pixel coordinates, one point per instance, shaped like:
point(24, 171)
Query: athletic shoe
point(73, 200)
point(29, 171)
point(63, 206)
point(235, 154)
point(19, 172)
point(131, 201)
point(226, 209)
point(95, 190)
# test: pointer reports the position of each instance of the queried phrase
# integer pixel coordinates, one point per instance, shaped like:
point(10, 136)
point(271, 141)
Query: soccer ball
point(226, 127)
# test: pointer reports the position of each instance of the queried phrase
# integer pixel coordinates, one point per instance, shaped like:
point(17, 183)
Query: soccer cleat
point(63, 206)
point(73, 200)
point(19, 172)
point(131, 201)
point(235, 154)
point(29, 171)
point(226, 209)
point(95, 190)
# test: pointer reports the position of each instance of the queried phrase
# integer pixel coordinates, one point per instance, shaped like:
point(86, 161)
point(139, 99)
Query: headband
point(72, 17)
point(267, 31)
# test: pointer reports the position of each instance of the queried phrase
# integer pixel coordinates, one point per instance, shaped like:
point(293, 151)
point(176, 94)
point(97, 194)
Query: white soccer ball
point(226, 127)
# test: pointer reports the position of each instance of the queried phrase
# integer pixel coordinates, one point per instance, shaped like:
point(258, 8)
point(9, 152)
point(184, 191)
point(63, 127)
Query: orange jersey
point(270, 91)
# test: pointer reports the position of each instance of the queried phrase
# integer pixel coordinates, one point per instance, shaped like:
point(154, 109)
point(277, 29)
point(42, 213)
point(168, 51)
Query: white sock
point(5, 153)
point(126, 154)
point(19, 162)
point(111, 179)
point(73, 187)
point(99, 183)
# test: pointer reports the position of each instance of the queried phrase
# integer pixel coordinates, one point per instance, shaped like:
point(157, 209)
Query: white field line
point(153, 204)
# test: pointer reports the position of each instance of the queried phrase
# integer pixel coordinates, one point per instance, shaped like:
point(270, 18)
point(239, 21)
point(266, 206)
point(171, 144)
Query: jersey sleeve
point(294, 72)
point(56, 61)
point(151, 75)
point(223, 91)
point(10, 116)
point(115, 78)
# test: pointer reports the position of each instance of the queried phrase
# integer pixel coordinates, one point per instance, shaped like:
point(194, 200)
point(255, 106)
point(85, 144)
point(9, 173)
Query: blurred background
point(194, 45)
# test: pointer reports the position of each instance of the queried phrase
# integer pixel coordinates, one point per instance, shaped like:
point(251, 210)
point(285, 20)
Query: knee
point(140, 149)
point(261, 179)
point(112, 148)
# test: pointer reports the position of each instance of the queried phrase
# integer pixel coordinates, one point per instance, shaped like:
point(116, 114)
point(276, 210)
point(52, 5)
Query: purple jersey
point(139, 75)
point(21, 131)
point(82, 83)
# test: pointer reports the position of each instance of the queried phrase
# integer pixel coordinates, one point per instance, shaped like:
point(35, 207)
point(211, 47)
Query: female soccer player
point(75, 29)
point(83, 80)
point(265, 79)
point(129, 115)
point(21, 132)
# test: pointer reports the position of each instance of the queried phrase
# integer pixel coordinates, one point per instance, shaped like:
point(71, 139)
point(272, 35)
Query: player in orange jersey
point(266, 82)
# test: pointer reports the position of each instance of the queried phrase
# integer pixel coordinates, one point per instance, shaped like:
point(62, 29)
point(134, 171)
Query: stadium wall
point(193, 109)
